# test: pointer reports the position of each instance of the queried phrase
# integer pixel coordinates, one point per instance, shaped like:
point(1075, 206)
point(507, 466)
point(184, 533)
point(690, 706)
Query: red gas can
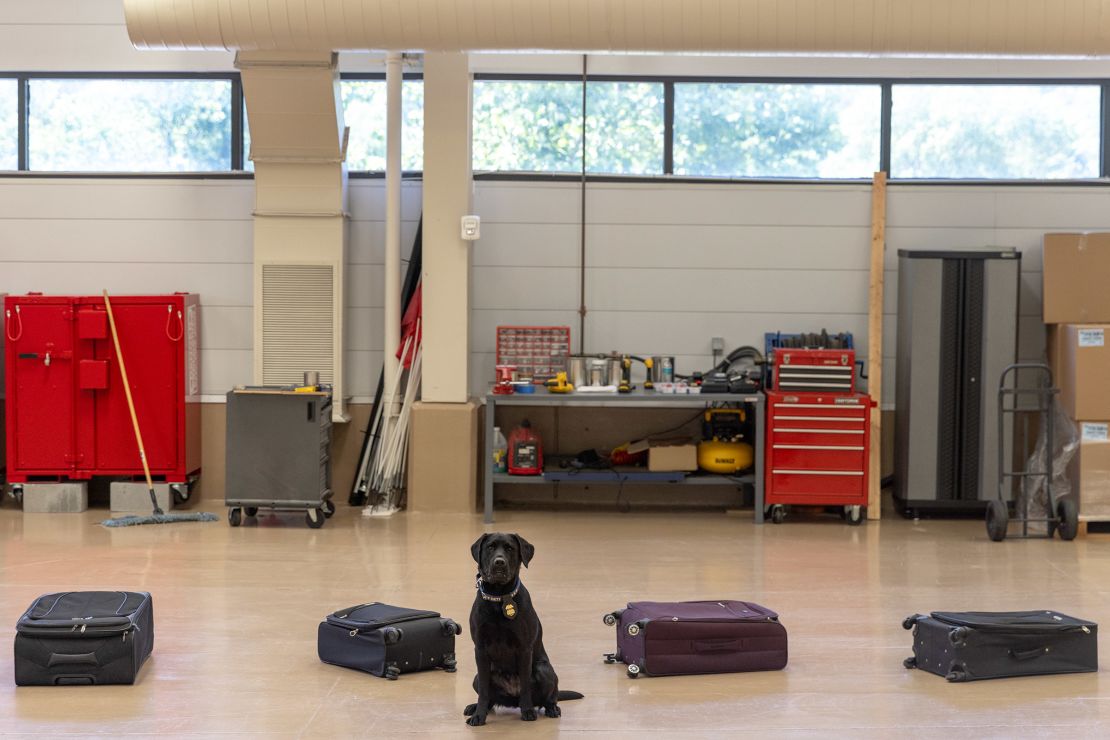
point(67, 411)
point(525, 451)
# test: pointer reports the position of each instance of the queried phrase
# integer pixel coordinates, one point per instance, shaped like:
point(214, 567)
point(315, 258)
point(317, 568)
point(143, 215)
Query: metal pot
point(613, 365)
point(577, 372)
point(597, 371)
point(662, 369)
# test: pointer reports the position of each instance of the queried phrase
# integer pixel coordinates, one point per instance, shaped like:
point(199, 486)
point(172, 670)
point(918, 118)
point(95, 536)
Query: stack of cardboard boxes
point(1077, 312)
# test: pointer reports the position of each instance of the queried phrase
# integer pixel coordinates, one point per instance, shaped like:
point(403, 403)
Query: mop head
point(132, 521)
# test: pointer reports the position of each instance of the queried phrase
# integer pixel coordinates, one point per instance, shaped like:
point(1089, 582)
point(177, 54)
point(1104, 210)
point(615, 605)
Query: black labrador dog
point(513, 667)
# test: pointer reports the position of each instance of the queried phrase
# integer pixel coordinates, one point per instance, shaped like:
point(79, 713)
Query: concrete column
point(447, 198)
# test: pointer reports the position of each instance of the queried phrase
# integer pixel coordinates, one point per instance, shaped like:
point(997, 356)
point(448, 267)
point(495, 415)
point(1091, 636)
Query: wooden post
point(875, 342)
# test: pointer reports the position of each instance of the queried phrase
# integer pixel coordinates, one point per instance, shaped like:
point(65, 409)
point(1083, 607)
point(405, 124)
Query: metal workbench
point(636, 399)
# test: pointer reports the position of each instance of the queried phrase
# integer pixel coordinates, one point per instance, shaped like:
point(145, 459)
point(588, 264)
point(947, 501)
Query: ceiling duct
point(881, 27)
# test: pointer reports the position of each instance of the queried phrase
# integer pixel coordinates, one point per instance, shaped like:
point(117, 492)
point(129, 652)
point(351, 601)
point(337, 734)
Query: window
point(9, 130)
point(776, 130)
point(995, 131)
point(364, 111)
point(624, 128)
point(132, 125)
point(527, 126)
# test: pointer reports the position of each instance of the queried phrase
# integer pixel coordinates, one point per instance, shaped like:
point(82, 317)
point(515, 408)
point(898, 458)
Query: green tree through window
point(132, 125)
point(364, 111)
point(995, 131)
point(776, 130)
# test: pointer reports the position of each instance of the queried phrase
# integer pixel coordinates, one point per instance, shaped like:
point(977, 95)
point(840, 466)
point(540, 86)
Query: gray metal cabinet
point(277, 453)
point(957, 332)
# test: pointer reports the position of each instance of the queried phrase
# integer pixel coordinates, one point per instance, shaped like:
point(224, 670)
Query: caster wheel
point(1068, 526)
point(854, 515)
point(180, 493)
point(235, 517)
point(328, 508)
point(998, 519)
point(451, 628)
point(610, 658)
point(958, 636)
point(633, 629)
point(633, 671)
point(909, 622)
point(910, 663)
point(609, 619)
point(449, 664)
point(251, 511)
point(17, 494)
point(392, 635)
point(392, 672)
point(778, 514)
point(315, 518)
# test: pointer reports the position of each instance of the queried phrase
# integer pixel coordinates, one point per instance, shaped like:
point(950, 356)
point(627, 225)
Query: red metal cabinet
point(67, 410)
point(817, 448)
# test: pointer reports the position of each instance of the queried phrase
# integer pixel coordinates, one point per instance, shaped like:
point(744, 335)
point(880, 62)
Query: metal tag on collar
point(508, 608)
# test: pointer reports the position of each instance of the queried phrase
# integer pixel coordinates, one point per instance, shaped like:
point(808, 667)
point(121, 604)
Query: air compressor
point(722, 449)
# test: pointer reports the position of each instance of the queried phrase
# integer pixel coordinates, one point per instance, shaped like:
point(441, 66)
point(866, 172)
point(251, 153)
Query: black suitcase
point(970, 646)
point(387, 640)
point(84, 637)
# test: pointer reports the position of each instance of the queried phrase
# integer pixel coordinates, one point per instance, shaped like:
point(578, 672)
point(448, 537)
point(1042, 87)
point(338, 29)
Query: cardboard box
point(1080, 358)
point(1076, 267)
point(1089, 470)
point(667, 456)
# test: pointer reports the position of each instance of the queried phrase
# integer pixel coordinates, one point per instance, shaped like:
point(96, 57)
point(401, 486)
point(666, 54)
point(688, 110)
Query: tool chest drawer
point(817, 448)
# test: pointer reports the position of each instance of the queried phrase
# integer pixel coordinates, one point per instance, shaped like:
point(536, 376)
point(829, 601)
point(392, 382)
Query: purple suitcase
point(687, 637)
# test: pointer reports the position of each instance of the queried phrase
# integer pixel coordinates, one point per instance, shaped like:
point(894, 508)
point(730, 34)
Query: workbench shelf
point(638, 399)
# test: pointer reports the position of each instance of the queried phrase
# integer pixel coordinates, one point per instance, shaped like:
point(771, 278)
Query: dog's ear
point(476, 548)
point(525, 548)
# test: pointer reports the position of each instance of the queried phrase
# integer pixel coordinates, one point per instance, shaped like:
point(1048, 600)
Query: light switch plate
point(471, 228)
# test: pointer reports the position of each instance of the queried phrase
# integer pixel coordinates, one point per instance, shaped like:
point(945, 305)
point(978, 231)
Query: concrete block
point(134, 498)
point(55, 498)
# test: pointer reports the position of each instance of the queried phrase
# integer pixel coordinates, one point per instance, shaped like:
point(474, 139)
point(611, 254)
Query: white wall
point(671, 265)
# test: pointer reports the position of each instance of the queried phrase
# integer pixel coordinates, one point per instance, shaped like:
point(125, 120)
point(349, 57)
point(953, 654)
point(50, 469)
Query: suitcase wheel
point(392, 635)
point(909, 622)
point(610, 658)
point(909, 663)
point(451, 628)
point(611, 618)
point(392, 672)
point(956, 675)
point(958, 636)
point(634, 628)
point(633, 671)
point(449, 663)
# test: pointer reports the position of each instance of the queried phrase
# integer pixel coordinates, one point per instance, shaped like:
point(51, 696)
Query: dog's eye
point(508, 548)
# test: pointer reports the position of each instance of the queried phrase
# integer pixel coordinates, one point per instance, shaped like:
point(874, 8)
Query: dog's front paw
point(553, 711)
point(528, 715)
point(476, 720)
point(470, 709)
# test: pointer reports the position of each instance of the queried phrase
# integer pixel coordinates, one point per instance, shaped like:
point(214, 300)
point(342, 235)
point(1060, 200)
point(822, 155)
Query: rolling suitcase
point(970, 646)
point(671, 639)
point(387, 640)
point(84, 637)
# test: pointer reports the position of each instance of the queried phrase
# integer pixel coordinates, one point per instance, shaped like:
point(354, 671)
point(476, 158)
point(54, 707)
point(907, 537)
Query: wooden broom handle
point(127, 390)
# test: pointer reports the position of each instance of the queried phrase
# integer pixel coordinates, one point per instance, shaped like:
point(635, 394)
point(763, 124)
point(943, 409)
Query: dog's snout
point(499, 561)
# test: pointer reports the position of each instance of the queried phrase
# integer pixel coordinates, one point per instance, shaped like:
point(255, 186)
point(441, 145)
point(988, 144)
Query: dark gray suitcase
point(690, 637)
point(387, 640)
point(84, 638)
point(970, 646)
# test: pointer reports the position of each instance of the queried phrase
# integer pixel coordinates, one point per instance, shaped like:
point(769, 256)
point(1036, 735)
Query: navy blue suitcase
point(387, 640)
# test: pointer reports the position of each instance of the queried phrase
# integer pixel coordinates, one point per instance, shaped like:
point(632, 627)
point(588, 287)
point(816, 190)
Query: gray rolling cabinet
point(277, 453)
point(957, 332)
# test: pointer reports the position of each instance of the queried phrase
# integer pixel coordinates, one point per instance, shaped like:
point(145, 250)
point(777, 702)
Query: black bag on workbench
point(969, 646)
point(84, 638)
point(387, 640)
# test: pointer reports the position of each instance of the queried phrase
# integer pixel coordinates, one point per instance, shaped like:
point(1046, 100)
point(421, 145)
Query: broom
point(158, 516)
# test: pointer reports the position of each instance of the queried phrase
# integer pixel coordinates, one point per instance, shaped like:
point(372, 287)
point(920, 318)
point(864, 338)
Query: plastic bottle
point(500, 452)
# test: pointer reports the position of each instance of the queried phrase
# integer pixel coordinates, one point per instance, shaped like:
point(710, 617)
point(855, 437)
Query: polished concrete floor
point(236, 613)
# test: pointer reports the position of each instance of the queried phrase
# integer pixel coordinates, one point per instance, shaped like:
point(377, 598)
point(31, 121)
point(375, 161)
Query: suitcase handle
point(1027, 654)
point(717, 646)
point(74, 680)
point(67, 659)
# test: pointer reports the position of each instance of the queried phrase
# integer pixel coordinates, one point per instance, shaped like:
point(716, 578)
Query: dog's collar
point(496, 599)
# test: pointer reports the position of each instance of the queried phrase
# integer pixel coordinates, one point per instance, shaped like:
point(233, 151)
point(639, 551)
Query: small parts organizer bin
point(817, 451)
point(539, 352)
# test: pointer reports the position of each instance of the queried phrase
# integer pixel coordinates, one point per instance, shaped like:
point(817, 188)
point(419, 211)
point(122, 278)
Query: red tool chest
point(817, 449)
point(815, 370)
point(67, 414)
